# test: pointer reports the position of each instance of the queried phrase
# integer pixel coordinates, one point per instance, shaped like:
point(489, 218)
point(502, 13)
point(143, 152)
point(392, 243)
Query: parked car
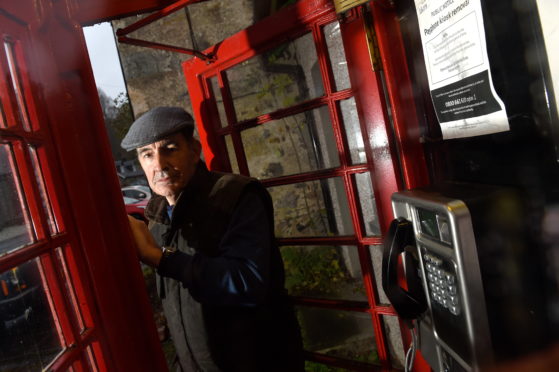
point(16, 299)
point(28, 337)
point(139, 192)
point(135, 207)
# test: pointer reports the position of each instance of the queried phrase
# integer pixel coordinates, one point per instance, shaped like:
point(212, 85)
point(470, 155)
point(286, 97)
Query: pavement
point(13, 237)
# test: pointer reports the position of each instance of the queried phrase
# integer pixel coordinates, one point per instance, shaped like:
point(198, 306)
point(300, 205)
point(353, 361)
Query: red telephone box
point(73, 257)
point(330, 96)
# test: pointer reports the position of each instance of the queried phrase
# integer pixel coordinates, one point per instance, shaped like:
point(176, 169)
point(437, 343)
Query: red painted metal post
point(405, 120)
point(400, 93)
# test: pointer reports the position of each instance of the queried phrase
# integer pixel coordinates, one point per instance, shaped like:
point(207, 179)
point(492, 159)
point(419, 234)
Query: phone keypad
point(442, 284)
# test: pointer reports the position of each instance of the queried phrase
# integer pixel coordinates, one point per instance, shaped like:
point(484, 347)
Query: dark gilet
point(215, 337)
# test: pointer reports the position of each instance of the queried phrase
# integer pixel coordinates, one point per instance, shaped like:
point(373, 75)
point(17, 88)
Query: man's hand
point(148, 251)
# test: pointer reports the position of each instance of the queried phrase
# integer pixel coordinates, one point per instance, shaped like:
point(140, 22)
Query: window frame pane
point(37, 298)
point(335, 43)
point(24, 205)
point(372, 119)
point(11, 55)
point(279, 80)
point(47, 203)
point(310, 135)
point(324, 272)
point(324, 212)
point(39, 183)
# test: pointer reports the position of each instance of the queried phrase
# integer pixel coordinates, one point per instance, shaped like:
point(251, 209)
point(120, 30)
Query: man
point(211, 238)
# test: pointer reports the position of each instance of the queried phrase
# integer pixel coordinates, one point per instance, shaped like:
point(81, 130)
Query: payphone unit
point(467, 257)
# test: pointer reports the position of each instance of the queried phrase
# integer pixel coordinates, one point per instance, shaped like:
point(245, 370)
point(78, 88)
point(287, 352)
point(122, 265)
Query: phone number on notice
point(460, 101)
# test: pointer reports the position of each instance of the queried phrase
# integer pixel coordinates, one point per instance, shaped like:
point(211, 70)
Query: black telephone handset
point(412, 303)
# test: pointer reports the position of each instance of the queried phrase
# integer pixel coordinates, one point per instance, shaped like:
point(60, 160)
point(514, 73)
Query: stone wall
point(155, 77)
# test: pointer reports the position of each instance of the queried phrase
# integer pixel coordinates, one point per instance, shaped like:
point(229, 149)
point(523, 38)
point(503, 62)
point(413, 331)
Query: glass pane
point(2, 118)
point(353, 131)
point(29, 339)
point(314, 208)
point(91, 362)
point(232, 154)
point(344, 334)
point(279, 78)
point(292, 145)
point(368, 204)
point(336, 52)
point(324, 272)
point(394, 341)
point(17, 85)
point(53, 228)
point(15, 225)
point(68, 283)
point(214, 85)
point(376, 257)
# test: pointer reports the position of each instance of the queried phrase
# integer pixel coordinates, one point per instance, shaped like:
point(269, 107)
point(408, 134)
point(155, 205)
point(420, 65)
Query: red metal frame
point(100, 275)
point(22, 165)
point(368, 91)
point(405, 120)
point(399, 89)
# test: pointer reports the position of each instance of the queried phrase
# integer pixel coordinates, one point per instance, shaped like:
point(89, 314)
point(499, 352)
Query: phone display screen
point(428, 223)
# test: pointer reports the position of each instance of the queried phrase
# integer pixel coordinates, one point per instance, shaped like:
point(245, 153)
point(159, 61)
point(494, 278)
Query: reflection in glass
point(2, 118)
point(343, 334)
point(15, 225)
point(393, 337)
point(68, 282)
point(336, 52)
point(17, 85)
point(53, 228)
point(281, 77)
point(353, 131)
point(323, 272)
point(368, 204)
point(29, 339)
point(232, 154)
point(291, 145)
point(214, 85)
point(91, 362)
point(314, 208)
point(376, 257)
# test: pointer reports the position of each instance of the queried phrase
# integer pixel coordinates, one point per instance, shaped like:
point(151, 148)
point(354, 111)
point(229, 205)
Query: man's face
point(169, 164)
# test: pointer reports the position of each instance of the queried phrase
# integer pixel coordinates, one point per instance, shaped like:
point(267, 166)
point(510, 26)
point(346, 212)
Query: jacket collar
point(156, 209)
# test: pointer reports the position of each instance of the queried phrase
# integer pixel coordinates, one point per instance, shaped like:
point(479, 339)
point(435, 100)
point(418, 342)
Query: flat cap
point(156, 124)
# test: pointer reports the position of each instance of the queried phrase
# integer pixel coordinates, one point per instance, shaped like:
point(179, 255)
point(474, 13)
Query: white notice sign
point(453, 39)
